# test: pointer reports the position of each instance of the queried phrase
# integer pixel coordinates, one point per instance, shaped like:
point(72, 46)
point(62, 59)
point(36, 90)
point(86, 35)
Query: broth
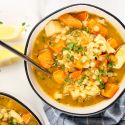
point(96, 27)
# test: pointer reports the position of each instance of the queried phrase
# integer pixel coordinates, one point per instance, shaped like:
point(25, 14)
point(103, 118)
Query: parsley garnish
point(66, 80)
point(1, 22)
point(51, 44)
point(24, 23)
point(56, 63)
point(72, 58)
point(102, 72)
point(102, 85)
point(107, 56)
point(71, 81)
point(70, 30)
point(86, 29)
point(11, 121)
point(98, 78)
point(111, 64)
point(70, 46)
point(84, 77)
point(80, 82)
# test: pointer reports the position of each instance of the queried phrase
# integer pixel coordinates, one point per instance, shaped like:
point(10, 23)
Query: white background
point(13, 78)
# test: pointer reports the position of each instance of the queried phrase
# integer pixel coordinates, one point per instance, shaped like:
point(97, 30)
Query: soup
point(83, 52)
point(12, 113)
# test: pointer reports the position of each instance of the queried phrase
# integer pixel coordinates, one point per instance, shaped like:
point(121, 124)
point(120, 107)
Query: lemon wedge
point(7, 57)
point(9, 33)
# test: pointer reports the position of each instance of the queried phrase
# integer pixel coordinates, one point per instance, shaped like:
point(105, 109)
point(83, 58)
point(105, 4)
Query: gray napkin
point(114, 115)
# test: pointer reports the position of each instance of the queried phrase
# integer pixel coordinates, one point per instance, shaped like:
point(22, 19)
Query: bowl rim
point(26, 68)
point(22, 104)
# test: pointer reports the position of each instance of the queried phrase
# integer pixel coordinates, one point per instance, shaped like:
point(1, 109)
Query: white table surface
point(13, 79)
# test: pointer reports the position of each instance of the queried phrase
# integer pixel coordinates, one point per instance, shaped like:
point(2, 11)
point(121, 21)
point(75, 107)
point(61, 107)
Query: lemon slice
point(9, 33)
point(120, 56)
point(7, 57)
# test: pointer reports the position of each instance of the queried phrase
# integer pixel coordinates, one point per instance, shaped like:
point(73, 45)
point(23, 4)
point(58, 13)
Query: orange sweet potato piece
point(113, 43)
point(82, 15)
point(71, 21)
point(76, 75)
point(59, 76)
point(109, 90)
point(45, 58)
point(78, 65)
point(97, 28)
point(26, 117)
point(4, 123)
point(57, 47)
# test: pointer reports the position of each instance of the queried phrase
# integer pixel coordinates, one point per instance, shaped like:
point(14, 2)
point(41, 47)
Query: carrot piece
point(113, 43)
point(45, 58)
point(59, 76)
point(71, 21)
point(109, 90)
point(26, 117)
point(76, 75)
point(4, 123)
point(57, 47)
point(81, 16)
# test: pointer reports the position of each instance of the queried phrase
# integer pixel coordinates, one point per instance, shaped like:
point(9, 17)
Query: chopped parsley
point(86, 29)
point(63, 66)
point(74, 47)
point(11, 121)
point(71, 81)
point(1, 22)
point(111, 64)
point(24, 23)
point(98, 78)
point(56, 63)
point(72, 58)
point(66, 80)
point(51, 44)
point(102, 72)
point(78, 49)
point(80, 82)
point(102, 85)
point(70, 46)
point(70, 30)
point(84, 77)
point(107, 56)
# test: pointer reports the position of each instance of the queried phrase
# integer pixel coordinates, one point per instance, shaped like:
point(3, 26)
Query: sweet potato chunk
point(59, 76)
point(97, 28)
point(113, 43)
point(81, 16)
point(71, 21)
point(57, 47)
point(109, 90)
point(76, 75)
point(45, 58)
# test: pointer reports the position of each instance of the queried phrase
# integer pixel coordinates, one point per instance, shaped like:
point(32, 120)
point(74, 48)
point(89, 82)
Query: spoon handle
point(24, 57)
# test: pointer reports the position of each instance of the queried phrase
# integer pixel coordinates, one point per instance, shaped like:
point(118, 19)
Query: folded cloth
point(114, 115)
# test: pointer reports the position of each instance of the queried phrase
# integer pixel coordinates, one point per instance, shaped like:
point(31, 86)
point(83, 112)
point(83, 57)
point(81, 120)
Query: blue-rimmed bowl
point(79, 111)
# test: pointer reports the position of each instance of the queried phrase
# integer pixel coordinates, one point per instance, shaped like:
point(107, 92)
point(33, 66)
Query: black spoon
point(24, 57)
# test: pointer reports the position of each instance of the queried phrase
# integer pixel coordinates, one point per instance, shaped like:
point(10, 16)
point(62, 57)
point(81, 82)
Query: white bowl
point(79, 111)
point(16, 101)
